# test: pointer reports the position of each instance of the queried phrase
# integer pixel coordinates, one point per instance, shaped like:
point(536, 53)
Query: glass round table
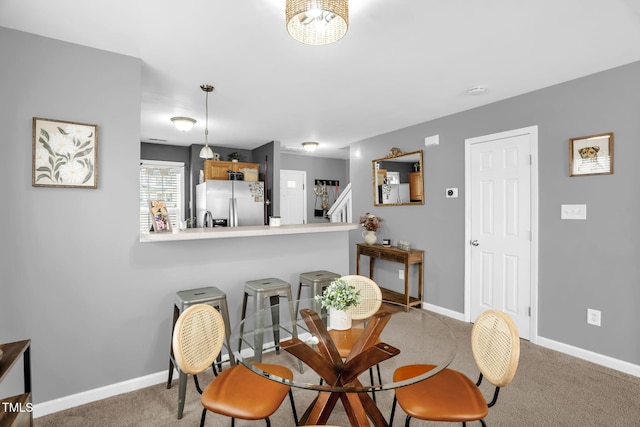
point(298, 335)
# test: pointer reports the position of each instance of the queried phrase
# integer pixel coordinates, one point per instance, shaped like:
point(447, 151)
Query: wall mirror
point(398, 179)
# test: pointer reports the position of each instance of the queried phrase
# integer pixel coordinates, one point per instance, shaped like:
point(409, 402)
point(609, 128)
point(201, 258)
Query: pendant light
point(317, 22)
point(206, 152)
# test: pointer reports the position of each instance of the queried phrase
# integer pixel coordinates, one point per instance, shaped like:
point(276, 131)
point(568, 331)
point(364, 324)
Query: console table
point(17, 411)
point(413, 256)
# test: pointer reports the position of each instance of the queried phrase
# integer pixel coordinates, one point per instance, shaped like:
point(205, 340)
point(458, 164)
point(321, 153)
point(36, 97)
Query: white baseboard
point(444, 311)
point(67, 402)
point(590, 356)
point(580, 353)
point(56, 405)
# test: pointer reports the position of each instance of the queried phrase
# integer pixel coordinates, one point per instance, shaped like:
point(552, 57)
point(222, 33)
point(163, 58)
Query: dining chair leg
point(268, 422)
point(373, 392)
point(407, 421)
point(204, 415)
point(293, 408)
point(393, 410)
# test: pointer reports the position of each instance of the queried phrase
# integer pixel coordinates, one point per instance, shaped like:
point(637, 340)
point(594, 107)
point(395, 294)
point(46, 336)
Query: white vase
point(339, 319)
point(369, 237)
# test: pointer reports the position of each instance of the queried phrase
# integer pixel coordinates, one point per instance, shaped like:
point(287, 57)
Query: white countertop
point(245, 231)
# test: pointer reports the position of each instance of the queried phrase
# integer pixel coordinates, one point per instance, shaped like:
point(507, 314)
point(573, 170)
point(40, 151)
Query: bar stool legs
point(184, 299)
point(273, 289)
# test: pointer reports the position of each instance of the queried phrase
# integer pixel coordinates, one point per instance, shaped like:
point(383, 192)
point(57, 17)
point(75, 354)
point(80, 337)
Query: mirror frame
point(395, 153)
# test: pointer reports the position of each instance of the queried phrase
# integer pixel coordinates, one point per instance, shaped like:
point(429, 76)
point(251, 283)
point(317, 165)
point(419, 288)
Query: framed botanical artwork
point(65, 154)
point(591, 155)
point(159, 215)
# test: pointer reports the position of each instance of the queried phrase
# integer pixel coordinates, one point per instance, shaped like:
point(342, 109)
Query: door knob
point(474, 243)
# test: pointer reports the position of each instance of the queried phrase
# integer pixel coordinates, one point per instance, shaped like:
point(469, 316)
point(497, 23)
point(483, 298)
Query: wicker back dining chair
point(452, 396)
point(236, 392)
point(370, 302)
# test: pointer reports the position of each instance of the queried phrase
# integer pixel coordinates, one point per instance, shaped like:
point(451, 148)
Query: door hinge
point(529, 311)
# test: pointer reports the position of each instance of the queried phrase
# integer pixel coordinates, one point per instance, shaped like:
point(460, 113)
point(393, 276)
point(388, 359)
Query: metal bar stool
point(260, 290)
point(316, 281)
point(183, 300)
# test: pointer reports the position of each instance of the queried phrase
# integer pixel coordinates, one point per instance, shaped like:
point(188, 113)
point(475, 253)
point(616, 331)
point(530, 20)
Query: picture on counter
point(591, 155)
point(64, 154)
point(159, 215)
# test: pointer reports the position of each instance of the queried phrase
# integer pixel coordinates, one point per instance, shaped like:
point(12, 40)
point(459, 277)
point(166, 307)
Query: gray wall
point(317, 168)
point(582, 264)
point(96, 303)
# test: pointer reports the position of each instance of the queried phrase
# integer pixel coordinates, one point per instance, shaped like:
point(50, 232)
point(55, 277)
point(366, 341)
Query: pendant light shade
point(317, 22)
point(206, 152)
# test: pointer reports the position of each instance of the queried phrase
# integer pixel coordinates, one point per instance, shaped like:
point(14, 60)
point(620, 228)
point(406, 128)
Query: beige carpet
point(549, 389)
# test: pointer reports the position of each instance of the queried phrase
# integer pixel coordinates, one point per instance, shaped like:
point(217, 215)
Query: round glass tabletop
point(299, 335)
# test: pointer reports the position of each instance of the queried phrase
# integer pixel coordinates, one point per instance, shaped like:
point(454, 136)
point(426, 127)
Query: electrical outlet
point(401, 274)
point(593, 317)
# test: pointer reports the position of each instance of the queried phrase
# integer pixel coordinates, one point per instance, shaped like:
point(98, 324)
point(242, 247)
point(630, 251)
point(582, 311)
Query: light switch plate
point(573, 212)
point(451, 193)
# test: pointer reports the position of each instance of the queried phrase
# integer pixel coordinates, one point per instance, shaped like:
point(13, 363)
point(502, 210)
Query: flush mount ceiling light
point(183, 123)
point(310, 146)
point(206, 152)
point(317, 22)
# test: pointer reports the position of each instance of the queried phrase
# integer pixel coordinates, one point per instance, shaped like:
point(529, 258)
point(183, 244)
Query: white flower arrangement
point(339, 295)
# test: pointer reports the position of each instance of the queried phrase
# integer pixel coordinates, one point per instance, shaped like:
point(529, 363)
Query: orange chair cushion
point(447, 396)
point(238, 392)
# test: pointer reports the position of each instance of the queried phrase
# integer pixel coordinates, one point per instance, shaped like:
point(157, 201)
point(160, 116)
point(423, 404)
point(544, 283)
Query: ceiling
point(402, 62)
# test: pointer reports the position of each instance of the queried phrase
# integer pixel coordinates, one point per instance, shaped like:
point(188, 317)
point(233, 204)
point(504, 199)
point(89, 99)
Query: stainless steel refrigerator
point(237, 202)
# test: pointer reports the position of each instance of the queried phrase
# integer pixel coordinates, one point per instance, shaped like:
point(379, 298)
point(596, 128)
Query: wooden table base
point(341, 375)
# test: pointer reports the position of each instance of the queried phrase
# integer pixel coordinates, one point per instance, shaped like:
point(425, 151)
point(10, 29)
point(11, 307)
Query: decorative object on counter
point(206, 152)
point(65, 154)
point(234, 157)
point(274, 221)
point(386, 242)
point(591, 155)
point(404, 245)
point(183, 124)
point(339, 297)
point(371, 223)
point(317, 22)
point(159, 216)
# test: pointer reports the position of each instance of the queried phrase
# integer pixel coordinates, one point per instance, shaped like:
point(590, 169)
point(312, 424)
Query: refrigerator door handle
point(233, 212)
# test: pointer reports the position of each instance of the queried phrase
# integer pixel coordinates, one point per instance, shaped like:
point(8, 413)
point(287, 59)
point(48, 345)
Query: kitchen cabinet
point(16, 410)
point(415, 187)
point(217, 169)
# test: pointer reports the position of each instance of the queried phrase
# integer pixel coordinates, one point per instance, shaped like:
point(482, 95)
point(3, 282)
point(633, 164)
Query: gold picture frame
point(591, 155)
point(64, 154)
point(159, 216)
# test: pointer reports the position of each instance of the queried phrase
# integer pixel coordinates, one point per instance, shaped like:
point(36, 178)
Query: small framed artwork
point(65, 154)
point(591, 155)
point(159, 215)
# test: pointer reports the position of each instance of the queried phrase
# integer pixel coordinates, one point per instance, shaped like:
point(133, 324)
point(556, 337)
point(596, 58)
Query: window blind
point(161, 181)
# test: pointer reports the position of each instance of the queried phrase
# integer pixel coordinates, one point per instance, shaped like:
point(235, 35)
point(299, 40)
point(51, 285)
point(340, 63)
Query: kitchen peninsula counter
point(245, 231)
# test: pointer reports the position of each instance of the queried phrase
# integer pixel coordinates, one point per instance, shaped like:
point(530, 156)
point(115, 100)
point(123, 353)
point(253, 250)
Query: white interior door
point(500, 206)
point(293, 197)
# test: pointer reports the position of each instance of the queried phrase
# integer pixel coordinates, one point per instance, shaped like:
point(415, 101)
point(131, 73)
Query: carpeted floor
point(549, 389)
